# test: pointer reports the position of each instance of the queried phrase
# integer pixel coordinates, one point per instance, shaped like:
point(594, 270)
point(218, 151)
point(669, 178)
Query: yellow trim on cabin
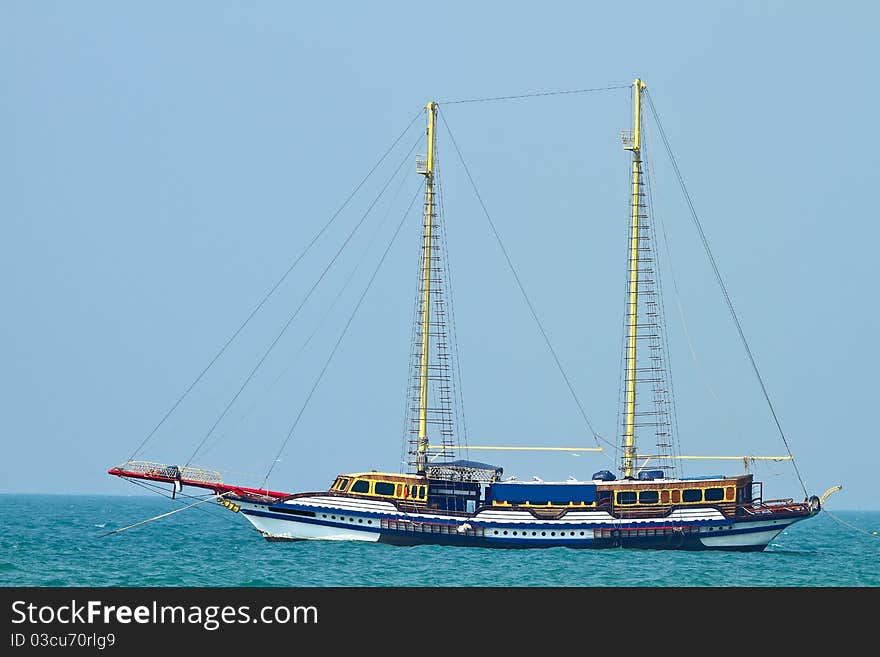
point(414, 492)
point(527, 503)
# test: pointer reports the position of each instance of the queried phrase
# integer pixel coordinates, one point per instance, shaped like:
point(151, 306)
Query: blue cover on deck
point(648, 475)
point(604, 475)
point(542, 493)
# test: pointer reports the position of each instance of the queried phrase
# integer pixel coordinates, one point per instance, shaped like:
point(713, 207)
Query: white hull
point(283, 529)
point(751, 539)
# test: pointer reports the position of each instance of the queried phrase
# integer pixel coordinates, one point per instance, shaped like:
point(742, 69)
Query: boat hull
point(330, 518)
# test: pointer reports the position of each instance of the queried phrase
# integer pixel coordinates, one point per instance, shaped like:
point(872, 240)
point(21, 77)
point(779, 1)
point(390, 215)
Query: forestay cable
point(303, 302)
point(339, 341)
point(327, 312)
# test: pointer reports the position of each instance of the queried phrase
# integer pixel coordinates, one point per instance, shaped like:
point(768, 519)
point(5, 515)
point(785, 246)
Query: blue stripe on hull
point(653, 543)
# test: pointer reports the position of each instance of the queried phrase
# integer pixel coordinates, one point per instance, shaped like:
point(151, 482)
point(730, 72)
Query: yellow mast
point(632, 143)
point(428, 172)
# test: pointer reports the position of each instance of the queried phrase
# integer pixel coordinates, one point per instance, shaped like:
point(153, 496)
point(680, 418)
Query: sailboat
point(444, 500)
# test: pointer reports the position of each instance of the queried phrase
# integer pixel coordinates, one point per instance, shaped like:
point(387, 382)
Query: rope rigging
point(314, 240)
point(339, 340)
point(294, 314)
point(522, 290)
point(458, 405)
point(438, 409)
point(666, 427)
point(272, 290)
point(320, 323)
point(723, 287)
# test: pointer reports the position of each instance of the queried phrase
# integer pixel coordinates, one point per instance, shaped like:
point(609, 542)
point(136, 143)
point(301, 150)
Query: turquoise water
point(55, 540)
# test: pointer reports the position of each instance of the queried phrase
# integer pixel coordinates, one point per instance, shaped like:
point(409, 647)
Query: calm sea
point(55, 540)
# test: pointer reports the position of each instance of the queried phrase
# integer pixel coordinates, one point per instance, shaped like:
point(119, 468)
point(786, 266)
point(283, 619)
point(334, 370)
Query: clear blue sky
point(164, 163)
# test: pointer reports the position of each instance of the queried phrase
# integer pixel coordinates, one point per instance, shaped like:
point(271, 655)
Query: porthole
point(582, 533)
point(369, 522)
point(534, 533)
point(514, 533)
point(360, 519)
point(543, 533)
point(332, 517)
point(495, 532)
point(505, 532)
point(552, 533)
point(562, 533)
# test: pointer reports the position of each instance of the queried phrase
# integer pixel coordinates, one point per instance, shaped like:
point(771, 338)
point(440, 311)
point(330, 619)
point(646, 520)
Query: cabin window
point(676, 496)
point(649, 496)
point(342, 483)
point(626, 497)
point(384, 488)
point(692, 495)
point(714, 494)
point(422, 492)
point(360, 486)
point(729, 493)
point(664, 496)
